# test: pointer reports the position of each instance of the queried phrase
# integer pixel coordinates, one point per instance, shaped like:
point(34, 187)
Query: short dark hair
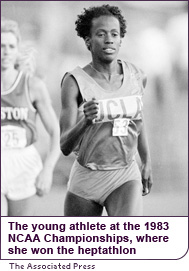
point(84, 21)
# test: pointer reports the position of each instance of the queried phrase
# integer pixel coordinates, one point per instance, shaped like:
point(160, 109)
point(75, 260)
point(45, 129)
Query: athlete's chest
point(110, 83)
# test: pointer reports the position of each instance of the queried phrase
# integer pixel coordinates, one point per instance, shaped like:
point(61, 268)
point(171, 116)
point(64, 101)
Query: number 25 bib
point(13, 137)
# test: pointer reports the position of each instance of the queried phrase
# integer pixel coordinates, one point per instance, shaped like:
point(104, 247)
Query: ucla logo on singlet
point(118, 108)
point(14, 113)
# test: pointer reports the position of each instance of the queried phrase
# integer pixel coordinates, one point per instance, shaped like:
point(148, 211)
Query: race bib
point(119, 108)
point(120, 127)
point(13, 137)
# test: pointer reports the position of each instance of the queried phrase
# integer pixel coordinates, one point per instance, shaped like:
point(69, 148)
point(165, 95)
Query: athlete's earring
point(87, 42)
point(88, 46)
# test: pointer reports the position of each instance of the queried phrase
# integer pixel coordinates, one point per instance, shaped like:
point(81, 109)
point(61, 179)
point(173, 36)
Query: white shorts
point(97, 185)
point(19, 169)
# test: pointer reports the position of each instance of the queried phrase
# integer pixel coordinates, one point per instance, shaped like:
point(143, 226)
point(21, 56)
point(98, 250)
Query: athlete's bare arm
point(143, 149)
point(41, 101)
point(72, 127)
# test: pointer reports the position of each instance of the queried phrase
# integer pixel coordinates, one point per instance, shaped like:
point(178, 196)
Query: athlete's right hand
point(44, 181)
point(90, 110)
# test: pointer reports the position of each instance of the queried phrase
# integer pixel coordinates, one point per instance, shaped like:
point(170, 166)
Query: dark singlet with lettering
point(18, 115)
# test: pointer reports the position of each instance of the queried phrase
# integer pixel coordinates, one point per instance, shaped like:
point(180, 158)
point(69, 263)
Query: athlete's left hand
point(44, 181)
point(147, 180)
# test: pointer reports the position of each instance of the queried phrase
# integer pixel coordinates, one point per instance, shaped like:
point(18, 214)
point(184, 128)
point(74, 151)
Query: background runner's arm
point(41, 100)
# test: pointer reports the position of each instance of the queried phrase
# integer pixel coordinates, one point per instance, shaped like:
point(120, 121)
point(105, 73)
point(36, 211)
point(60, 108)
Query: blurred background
point(157, 42)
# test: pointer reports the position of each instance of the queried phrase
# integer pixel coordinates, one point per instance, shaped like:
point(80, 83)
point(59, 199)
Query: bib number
point(13, 137)
point(120, 127)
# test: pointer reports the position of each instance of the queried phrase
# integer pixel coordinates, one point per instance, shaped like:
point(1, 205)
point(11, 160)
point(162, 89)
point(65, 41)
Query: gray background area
point(156, 41)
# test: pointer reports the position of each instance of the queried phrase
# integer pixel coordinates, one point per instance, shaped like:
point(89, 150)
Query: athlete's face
point(105, 38)
point(9, 50)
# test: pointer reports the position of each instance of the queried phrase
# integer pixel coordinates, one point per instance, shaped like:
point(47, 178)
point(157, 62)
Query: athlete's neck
point(107, 71)
point(104, 68)
point(8, 77)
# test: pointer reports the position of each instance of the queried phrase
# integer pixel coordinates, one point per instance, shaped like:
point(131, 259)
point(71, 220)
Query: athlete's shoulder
point(37, 89)
point(36, 82)
point(68, 77)
point(139, 73)
point(133, 66)
point(72, 79)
